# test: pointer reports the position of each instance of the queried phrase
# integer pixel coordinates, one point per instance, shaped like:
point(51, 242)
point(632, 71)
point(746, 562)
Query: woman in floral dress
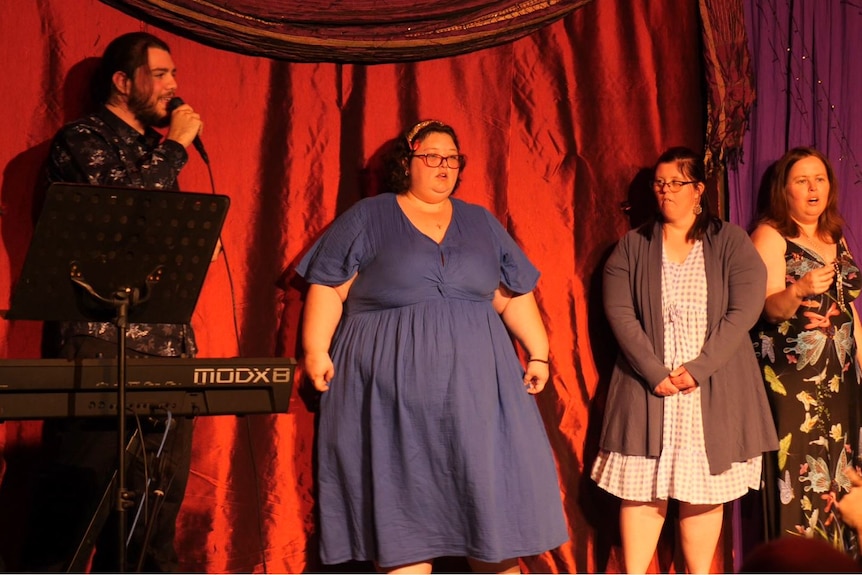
point(807, 348)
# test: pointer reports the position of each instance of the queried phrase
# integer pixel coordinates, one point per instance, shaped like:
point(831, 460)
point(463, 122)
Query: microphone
point(175, 103)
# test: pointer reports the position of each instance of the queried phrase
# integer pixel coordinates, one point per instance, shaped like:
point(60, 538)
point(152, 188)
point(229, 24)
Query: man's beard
point(145, 109)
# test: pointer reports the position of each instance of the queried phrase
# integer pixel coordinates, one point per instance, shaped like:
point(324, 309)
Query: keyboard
point(48, 388)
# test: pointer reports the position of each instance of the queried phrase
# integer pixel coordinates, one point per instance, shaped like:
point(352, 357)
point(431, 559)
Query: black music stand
point(118, 255)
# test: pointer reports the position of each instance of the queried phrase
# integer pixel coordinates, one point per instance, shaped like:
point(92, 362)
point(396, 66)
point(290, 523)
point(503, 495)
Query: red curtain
point(557, 124)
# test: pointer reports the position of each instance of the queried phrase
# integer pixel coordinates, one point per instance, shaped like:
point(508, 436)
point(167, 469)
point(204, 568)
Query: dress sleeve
point(337, 255)
point(516, 271)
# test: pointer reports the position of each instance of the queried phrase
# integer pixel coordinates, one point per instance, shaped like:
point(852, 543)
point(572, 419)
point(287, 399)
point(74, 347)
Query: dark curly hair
point(398, 160)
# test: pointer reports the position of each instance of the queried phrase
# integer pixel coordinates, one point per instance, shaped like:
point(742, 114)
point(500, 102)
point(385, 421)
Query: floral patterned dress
point(812, 378)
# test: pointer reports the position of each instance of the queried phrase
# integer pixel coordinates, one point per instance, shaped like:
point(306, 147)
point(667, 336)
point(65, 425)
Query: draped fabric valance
point(350, 31)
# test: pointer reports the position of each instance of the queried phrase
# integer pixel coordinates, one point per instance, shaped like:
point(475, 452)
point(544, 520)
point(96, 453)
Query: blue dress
point(428, 443)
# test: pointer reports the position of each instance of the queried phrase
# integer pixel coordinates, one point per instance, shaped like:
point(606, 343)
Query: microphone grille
point(174, 103)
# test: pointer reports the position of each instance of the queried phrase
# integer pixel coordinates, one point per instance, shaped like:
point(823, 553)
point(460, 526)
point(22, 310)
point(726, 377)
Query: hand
point(850, 505)
point(665, 388)
point(815, 282)
point(186, 125)
point(536, 376)
point(682, 380)
point(319, 369)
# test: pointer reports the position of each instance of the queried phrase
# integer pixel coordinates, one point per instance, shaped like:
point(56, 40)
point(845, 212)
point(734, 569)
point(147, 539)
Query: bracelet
point(537, 359)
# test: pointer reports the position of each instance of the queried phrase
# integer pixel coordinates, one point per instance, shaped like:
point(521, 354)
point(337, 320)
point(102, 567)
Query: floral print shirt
point(102, 149)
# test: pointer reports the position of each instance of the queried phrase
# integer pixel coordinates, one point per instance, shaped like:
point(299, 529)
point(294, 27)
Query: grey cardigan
point(737, 422)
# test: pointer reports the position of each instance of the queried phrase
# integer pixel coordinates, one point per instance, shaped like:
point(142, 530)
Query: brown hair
point(777, 211)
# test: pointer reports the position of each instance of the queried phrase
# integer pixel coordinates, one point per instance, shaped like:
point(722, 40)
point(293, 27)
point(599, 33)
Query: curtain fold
point(729, 81)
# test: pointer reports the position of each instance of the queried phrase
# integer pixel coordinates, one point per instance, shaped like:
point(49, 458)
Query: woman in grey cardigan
point(687, 416)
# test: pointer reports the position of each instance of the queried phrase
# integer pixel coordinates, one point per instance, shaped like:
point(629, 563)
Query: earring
point(698, 209)
point(406, 172)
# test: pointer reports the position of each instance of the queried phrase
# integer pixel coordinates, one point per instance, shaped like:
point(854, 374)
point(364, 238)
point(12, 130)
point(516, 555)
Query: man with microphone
point(117, 145)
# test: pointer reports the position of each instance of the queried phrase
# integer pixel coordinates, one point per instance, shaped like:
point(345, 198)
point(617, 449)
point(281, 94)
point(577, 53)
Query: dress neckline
point(420, 232)
point(817, 255)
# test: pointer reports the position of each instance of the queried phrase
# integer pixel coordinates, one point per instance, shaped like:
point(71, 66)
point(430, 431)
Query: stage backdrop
point(558, 125)
point(808, 95)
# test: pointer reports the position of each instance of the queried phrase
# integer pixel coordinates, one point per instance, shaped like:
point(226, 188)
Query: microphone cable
point(158, 492)
point(257, 492)
point(174, 103)
point(221, 246)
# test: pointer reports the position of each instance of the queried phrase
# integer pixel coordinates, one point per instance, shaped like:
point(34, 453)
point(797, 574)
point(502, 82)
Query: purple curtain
point(805, 55)
point(806, 62)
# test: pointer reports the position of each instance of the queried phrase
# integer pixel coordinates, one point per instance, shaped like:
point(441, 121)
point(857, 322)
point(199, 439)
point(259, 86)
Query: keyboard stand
point(84, 552)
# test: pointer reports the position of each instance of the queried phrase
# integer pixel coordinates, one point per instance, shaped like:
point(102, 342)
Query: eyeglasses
point(674, 185)
point(436, 160)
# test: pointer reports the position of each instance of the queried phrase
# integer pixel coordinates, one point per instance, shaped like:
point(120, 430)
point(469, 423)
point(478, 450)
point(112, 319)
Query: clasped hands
point(677, 381)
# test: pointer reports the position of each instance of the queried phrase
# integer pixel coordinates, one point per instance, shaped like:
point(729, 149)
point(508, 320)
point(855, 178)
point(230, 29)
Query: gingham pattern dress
point(681, 472)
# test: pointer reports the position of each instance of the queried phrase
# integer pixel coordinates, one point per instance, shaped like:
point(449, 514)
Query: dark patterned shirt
point(103, 150)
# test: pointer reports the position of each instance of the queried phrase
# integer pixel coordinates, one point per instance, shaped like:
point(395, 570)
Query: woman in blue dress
point(430, 443)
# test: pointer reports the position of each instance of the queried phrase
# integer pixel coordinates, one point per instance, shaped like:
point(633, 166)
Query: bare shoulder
point(768, 239)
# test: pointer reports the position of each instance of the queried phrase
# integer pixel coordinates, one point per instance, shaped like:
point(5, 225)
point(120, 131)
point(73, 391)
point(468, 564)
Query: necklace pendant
point(839, 286)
